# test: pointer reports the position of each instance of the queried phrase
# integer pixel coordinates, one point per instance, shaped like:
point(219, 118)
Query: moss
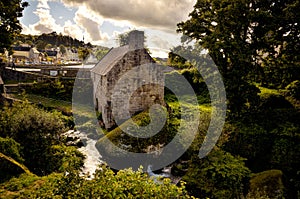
point(269, 182)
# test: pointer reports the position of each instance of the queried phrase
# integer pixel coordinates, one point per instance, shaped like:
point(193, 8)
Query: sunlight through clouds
point(99, 22)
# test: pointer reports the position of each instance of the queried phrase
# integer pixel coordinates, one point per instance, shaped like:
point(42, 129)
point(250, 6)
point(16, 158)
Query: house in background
point(91, 59)
point(26, 54)
point(71, 55)
point(51, 55)
point(35, 56)
point(21, 54)
point(106, 74)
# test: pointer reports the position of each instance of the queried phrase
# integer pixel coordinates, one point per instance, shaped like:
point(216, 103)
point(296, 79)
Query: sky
point(100, 21)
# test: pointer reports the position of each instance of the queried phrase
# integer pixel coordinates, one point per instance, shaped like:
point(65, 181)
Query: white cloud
point(72, 30)
point(160, 42)
point(158, 18)
point(46, 23)
point(86, 23)
point(90, 22)
point(159, 14)
point(43, 4)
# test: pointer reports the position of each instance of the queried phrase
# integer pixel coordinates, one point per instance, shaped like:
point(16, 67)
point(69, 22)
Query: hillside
point(53, 39)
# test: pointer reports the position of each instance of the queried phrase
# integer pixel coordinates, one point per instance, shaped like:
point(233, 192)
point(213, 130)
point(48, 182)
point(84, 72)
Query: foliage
point(101, 53)
point(41, 45)
point(121, 139)
point(35, 130)
point(9, 23)
point(293, 89)
point(57, 89)
point(51, 38)
point(11, 149)
point(106, 184)
point(49, 104)
point(268, 183)
point(123, 39)
point(242, 36)
point(270, 139)
point(219, 175)
point(62, 49)
point(83, 52)
point(63, 158)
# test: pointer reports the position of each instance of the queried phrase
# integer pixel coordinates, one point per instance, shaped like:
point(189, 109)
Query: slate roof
point(90, 60)
point(21, 48)
point(109, 60)
point(50, 53)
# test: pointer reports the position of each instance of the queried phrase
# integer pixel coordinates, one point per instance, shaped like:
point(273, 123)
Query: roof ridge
point(109, 60)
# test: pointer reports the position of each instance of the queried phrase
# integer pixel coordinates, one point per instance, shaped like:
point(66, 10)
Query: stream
point(93, 160)
point(92, 156)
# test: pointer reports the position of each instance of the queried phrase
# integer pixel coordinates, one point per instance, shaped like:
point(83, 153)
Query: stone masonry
point(110, 92)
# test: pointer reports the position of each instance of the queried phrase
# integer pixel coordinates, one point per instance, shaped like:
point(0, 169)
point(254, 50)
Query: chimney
point(136, 40)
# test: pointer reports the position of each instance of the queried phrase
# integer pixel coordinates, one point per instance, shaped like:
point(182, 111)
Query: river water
point(93, 160)
point(93, 157)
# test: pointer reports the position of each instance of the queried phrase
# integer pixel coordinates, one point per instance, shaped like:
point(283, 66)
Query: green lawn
point(46, 102)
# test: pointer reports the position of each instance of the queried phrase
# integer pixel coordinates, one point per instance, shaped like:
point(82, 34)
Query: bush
point(35, 129)
point(219, 175)
point(10, 148)
point(106, 184)
point(293, 89)
point(268, 183)
point(274, 101)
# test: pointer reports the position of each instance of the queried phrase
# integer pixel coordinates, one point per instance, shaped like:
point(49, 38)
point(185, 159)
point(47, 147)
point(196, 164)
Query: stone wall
point(140, 98)
point(20, 76)
point(66, 72)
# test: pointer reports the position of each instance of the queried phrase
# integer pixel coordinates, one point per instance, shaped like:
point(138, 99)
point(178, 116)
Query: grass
point(46, 102)
point(267, 91)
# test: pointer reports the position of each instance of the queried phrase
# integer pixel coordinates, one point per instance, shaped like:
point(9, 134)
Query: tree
point(62, 49)
point(242, 36)
point(105, 184)
point(48, 46)
point(219, 175)
point(83, 52)
point(41, 45)
point(9, 23)
point(123, 38)
point(101, 53)
point(35, 130)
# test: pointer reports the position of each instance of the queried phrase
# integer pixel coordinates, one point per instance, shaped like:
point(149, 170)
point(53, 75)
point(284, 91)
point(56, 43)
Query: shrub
point(219, 175)
point(268, 183)
point(10, 148)
point(293, 89)
point(106, 184)
point(35, 129)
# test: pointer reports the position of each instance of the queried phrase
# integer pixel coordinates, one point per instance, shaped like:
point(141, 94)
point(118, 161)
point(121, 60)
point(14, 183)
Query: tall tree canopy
point(9, 23)
point(242, 36)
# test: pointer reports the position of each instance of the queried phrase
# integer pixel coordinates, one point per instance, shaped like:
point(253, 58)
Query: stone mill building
point(122, 86)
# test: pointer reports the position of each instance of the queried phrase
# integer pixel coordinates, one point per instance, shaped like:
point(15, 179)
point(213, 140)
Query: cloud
point(160, 43)
point(86, 24)
point(46, 23)
point(160, 14)
point(72, 30)
point(91, 23)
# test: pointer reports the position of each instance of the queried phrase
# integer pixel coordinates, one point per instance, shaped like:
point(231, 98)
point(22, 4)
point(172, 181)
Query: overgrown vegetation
point(105, 184)
point(254, 44)
point(32, 136)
